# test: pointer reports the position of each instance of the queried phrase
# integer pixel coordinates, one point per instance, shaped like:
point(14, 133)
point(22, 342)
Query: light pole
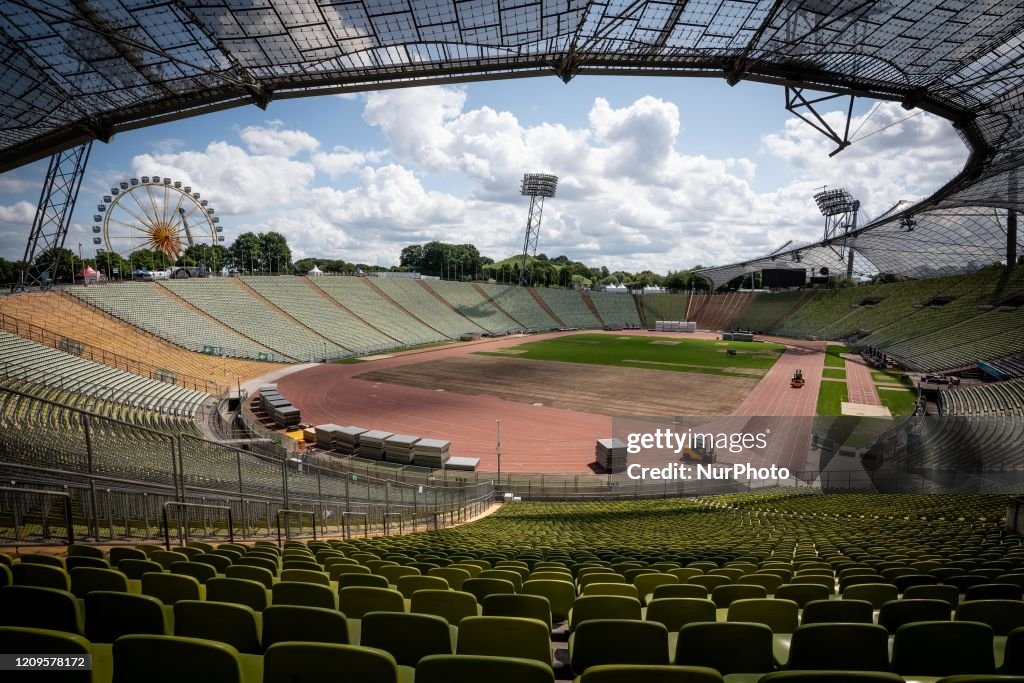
point(499, 451)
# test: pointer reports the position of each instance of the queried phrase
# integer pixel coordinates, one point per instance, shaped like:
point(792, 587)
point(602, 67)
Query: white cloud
point(893, 157)
point(630, 195)
point(234, 181)
point(20, 213)
point(342, 160)
point(276, 142)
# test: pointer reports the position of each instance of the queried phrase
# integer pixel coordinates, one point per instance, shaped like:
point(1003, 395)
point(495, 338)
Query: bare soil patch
point(601, 390)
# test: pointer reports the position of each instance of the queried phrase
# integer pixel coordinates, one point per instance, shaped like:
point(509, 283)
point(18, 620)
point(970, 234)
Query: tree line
point(269, 253)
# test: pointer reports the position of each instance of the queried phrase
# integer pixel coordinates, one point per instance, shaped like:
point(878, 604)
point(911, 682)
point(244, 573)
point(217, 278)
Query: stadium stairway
point(589, 303)
point(544, 306)
point(490, 300)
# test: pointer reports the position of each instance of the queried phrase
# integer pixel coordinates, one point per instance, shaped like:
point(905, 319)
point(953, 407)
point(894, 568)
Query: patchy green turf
point(834, 373)
point(890, 377)
point(830, 398)
point(832, 359)
point(900, 402)
point(708, 356)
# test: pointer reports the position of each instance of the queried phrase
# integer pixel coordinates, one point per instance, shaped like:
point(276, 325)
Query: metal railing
point(184, 527)
point(347, 525)
point(285, 533)
point(24, 519)
point(119, 476)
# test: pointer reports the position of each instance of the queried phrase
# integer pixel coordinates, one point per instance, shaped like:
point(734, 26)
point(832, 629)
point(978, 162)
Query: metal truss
point(53, 215)
point(81, 70)
point(533, 219)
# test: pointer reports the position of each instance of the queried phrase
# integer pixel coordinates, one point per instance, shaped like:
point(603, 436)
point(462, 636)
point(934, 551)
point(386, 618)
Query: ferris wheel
point(154, 213)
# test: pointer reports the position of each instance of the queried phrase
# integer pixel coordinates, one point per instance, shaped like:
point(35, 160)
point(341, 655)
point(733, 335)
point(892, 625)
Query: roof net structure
point(75, 70)
point(931, 244)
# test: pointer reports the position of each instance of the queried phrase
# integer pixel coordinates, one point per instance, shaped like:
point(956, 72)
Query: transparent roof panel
point(80, 69)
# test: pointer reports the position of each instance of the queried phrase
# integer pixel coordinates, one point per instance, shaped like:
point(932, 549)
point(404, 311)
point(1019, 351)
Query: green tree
point(276, 254)
point(246, 253)
point(59, 263)
point(213, 256)
point(412, 256)
point(108, 262)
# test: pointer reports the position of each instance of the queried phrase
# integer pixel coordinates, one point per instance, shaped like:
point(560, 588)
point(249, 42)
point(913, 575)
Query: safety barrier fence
point(118, 478)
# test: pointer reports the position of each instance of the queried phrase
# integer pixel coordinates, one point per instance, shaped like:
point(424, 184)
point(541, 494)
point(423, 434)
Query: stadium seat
point(830, 611)
point(729, 648)
point(224, 622)
point(39, 607)
point(613, 641)
point(41, 576)
point(84, 580)
point(802, 594)
point(603, 607)
point(526, 606)
point(303, 595)
point(258, 574)
point(172, 659)
point(858, 647)
point(407, 585)
point(791, 676)
point(200, 571)
point(170, 588)
point(452, 668)
point(1003, 616)
point(285, 623)
point(355, 601)
point(561, 595)
point(943, 592)
point(505, 637)
point(453, 606)
point(781, 616)
point(110, 615)
point(453, 575)
point(42, 642)
point(407, 637)
point(649, 673)
point(135, 569)
point(252, 594)
point(895, 613)
point(723, 596)
point(943, 648)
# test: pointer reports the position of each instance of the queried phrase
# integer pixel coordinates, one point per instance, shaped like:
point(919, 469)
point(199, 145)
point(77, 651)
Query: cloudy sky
point(654, 173)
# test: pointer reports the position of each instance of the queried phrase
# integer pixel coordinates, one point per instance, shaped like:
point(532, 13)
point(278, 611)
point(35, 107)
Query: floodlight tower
point(840, 211)
point(536, 186)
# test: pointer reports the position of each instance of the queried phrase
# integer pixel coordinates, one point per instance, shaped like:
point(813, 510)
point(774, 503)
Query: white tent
point(316, 272)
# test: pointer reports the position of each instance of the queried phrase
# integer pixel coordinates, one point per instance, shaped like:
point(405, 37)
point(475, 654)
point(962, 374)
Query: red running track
point(534, 439)
point(860, 387)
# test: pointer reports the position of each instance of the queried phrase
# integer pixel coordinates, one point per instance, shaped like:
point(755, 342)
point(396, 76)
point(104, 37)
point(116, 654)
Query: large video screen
point(783, 277)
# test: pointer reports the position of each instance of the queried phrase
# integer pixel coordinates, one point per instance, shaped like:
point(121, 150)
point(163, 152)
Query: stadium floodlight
point(840, 211)
point(539, 185)
point(536, 186)
point(835, 202)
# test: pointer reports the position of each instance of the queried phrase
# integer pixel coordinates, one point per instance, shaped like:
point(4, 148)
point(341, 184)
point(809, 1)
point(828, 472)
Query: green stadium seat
point(452, 668)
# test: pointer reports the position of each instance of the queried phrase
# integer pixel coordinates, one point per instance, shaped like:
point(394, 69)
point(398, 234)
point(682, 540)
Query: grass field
point(752, 359)
point(900, 402)
point(891, 377)
point(834, 373)
point(832, 359)
point(831, 397)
